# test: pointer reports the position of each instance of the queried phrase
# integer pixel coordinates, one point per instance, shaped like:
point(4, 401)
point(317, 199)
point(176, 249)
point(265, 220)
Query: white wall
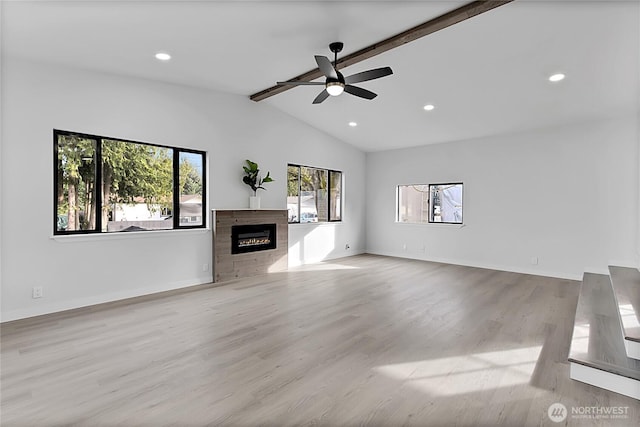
point(572, 200)
point(81, 270)
point(638, 172)
point(638, 167)
point(2, 107)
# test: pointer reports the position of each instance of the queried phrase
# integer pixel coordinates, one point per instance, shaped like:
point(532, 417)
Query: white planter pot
point(254, 202)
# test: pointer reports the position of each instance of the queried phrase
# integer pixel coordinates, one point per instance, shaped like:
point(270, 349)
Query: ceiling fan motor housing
point(336, 47)
point(339, 80)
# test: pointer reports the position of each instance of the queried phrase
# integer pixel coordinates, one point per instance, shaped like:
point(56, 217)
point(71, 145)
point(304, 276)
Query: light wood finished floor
point(365, 340)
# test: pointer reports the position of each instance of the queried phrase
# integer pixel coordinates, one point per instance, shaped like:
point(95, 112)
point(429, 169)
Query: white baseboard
point(597, 270)
point(623, 263)
point(55, 307)
point(512, 269)
point(333, 255)
point(606, 380)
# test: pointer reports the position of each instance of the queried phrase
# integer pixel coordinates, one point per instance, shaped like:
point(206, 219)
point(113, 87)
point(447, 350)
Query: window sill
point(316, 224)
point(436, 224)
point(68, 238)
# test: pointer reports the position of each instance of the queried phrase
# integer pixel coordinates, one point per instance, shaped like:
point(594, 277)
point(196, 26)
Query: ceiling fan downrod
point(336, 47)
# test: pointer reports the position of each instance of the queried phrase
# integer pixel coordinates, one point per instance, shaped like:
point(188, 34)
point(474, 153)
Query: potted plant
point(252, 179)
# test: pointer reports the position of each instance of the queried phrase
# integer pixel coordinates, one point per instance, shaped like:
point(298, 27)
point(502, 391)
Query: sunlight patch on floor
point(326, 267)
point(455, 375)
point(628, 316)
point(580, 340)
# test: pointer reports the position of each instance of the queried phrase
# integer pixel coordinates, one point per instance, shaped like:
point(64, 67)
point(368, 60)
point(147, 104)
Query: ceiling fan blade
point(358, 91)
point(368, 75)
point(300, 83)
point(325, 66)
point(321, 97)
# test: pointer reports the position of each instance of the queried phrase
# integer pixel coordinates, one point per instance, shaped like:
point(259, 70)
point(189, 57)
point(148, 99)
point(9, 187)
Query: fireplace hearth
point(252, 238)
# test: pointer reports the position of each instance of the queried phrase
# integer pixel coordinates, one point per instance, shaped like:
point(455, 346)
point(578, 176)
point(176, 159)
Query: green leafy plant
point(252, 176)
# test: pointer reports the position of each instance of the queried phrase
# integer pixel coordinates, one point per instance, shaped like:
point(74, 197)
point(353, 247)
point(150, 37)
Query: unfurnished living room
point(333, 213)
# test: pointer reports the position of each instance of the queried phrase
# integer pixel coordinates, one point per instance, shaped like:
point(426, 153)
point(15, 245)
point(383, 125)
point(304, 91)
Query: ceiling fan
point(336, 83)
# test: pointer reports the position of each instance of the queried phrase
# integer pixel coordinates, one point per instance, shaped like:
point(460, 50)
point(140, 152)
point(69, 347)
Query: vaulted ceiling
point(487, 75)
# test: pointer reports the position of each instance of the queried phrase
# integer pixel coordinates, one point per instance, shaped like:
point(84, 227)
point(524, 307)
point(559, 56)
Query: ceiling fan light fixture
point(335, 88)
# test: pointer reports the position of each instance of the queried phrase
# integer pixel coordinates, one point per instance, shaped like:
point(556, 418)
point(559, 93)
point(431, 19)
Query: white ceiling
point(486, 76)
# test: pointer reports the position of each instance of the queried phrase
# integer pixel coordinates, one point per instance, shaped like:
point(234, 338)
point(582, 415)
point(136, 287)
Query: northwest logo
point(557, 412)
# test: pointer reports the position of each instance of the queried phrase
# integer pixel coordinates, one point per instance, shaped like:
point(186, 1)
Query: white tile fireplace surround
point(248, 242)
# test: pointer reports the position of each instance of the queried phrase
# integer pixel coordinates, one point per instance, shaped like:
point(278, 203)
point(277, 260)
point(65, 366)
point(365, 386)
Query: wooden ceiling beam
point(453, 17)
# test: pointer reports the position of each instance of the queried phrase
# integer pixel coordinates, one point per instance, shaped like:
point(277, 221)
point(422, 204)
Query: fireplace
point(252, 238)
point(232, 261)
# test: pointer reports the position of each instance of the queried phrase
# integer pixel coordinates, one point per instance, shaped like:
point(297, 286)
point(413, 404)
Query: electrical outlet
point(534, 260)
point(36, 292)
point(205, 267)
point(346, 247)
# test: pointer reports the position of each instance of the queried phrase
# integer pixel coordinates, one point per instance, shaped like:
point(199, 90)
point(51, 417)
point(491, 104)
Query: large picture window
point(113, 185)
point(429, 203)
point(313, 194)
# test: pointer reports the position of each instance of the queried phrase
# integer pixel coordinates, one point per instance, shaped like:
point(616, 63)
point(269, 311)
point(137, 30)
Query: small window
point(429, 203)
point(413, 203)
point(446, 203)
point(313, 194)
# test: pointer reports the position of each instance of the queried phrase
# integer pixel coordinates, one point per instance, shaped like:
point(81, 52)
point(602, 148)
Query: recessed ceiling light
point(162, 56)
point(429, 107)
point(353, 124)
point(556, 77)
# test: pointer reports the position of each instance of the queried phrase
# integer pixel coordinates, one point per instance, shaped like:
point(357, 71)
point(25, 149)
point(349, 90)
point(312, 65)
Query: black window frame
point(329, 201)
point(98, 180)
